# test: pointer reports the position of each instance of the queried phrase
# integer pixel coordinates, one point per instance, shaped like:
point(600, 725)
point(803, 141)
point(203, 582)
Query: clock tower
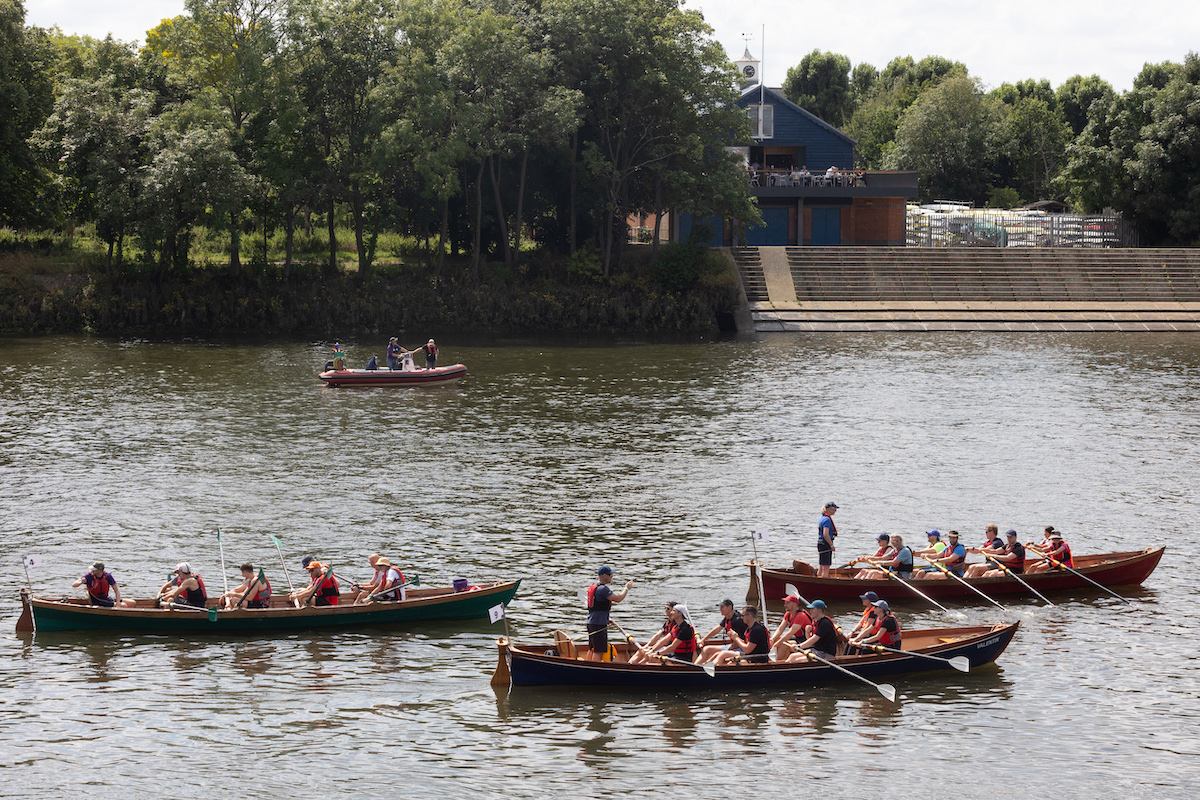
point(747, 67)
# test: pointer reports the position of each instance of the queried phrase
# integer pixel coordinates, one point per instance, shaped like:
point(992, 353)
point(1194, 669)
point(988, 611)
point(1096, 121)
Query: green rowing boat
point(421, 605)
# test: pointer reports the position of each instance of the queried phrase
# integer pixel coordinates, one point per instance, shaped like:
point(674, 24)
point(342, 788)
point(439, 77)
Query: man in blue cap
point(823, 641)
point(600, 599)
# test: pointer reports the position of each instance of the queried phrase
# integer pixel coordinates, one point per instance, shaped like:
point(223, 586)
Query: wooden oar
point(262, 576)
point(1061, 565)
point(709, 669)
point(960, 663)
point(212, 612)
point(1017, 578)
point(791, 589)
point(416, 581)
point(275, 539)
point(918, 592)
point(963, 581)
point(885, 689)
point(762, 595)
point(221, 547)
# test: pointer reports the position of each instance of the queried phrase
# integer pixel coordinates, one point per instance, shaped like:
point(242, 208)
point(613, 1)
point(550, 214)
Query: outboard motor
point(328, 366)
point(373, 364)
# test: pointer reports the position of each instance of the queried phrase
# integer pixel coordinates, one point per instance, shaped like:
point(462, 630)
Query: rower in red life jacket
point(953, 558)
point(731, 622)
point(886, 552)
point(682, 643)
point(387, 577)
point(792, 628)
point(667, 631)
point(600, 600)
point(752, 647)
point(992, 546)
point(823, 641)
point(885, 630)
point(186, 588)
point(1058, 550)
point(98, 582)
point(324, 590)
point(257, 592)
point(1013, 557)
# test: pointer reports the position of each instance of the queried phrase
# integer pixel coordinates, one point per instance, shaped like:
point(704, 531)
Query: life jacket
point(98, 587)
point(327, 592)
point(882, 551)
point(821, 543)
point(1019, 564)
point(905, 564)
point(597, 605)
point(1064, 556)
point(394, 592)
point(684, 646)
point(955, 564)
point(260, 599)
point(430, 350)
point(888, 639)
point(801, 618)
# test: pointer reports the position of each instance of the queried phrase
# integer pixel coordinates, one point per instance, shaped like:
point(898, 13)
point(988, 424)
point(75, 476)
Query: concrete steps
point(973, 288)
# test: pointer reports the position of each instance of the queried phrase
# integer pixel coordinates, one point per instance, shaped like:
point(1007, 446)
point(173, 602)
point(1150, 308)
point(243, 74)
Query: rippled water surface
point(548, 460)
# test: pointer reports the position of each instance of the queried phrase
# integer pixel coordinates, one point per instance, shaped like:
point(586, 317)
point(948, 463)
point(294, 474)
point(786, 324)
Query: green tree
point(651, 79)
point(344, 49)
point(98, 137)
point(27, 59)
point(949, 135)
point(1035, 141)
point(1165, 168)
point(820, 83)
point(1075, 98)
point(194, 177)
point(877, 115)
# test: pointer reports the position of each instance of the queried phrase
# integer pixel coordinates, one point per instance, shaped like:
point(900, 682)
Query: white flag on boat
point(496, 613)
point(759, 535)
point(31, 561)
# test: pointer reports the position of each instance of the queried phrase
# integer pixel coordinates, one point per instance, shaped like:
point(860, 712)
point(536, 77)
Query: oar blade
point(887, 690)
point(710, 670)
point(961, 663)
point(212, 614)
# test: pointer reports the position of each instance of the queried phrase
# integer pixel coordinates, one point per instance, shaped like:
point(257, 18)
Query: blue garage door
point(687, 222)
point(826, 227)
point(774, 233)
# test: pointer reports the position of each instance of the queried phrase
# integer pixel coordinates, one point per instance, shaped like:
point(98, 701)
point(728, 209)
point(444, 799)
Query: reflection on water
point(545, 462)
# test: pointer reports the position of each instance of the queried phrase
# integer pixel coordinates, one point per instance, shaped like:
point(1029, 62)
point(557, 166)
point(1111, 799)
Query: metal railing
point(986, 228)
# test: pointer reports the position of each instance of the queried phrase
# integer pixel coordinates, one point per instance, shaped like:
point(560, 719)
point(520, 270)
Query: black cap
point(304, 562)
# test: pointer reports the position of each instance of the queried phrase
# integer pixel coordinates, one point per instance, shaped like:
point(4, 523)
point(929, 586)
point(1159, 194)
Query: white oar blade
point(887, 690)
point(791, 589)
point(961, 663)
point(710, 670)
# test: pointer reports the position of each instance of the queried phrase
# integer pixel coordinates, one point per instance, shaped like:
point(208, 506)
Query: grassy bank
point(51, 284)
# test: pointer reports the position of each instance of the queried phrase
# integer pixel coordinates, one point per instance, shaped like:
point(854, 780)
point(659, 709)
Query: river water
point(550, 459)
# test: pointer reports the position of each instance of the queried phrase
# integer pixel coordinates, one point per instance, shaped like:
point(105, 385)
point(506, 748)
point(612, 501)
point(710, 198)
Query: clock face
point(748, 71)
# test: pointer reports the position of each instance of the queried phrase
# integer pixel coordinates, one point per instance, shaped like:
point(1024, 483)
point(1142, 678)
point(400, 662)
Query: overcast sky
point(998, 42)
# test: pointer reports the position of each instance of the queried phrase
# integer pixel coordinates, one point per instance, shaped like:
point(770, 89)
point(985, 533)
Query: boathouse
point(800, 171)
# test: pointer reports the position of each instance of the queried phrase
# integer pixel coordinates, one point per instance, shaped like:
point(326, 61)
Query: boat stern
point(502, 676)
